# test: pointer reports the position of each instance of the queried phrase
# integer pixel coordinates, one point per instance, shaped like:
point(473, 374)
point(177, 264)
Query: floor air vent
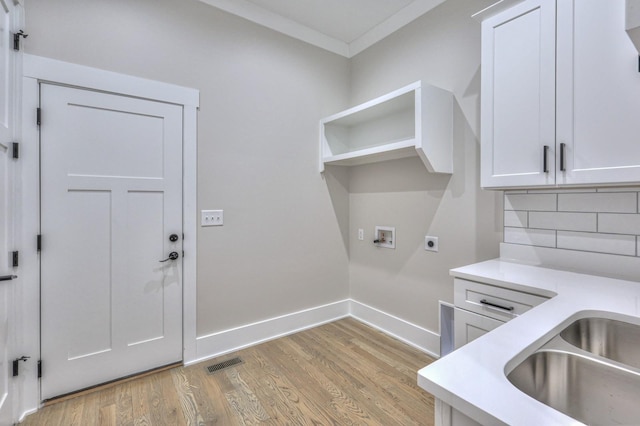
point(224, 364)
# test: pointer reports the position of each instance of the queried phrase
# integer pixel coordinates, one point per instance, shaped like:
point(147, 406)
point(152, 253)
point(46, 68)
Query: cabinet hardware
point(8, 277)
point(563, 147)
point(493, 305)
point(545, 161)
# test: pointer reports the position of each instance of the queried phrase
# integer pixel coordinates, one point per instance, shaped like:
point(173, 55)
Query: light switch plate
point(212, 218)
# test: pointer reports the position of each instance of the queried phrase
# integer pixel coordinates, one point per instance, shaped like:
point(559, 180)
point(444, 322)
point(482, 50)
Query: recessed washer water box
point(385, 237)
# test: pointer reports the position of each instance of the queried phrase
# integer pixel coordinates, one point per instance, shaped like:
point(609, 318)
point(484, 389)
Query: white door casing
point(111, 191)
point(39, 69)
point(9, 22)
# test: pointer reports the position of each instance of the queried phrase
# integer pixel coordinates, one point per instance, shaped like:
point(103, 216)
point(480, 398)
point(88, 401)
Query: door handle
point(8, 277)
point(172, 256)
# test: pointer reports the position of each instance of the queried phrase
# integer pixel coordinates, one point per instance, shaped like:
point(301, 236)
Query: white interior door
point(111, 197)
point(7, 133)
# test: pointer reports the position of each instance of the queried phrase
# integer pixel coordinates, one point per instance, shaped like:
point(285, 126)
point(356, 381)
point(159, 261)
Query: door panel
point(518, 95)
point(111, 196)
point(598, 94)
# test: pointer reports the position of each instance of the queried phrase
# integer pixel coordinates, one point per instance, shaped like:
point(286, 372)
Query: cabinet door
point(469, 326)
point(518, 95)
point(598, 94)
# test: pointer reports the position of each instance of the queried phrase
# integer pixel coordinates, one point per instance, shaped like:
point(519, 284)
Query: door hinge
point(39, 368)
point(39, 242)
point(14, 258)
point(16, 364)
point(38, 116)
point(15, 151)
point(16, 39)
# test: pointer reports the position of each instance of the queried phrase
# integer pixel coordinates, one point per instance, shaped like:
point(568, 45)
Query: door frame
point(38, 69)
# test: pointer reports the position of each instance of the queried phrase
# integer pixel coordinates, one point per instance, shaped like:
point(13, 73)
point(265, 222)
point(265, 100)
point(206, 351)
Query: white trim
point(29, 227)
point(51, 70)
point(286, 26)
point(234, 339)
point(279, 23)
point(403, 17)
point(409, 333)
point(43, 69)
point(190, 229)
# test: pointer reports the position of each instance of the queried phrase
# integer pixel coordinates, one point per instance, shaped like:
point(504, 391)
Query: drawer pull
point(493, 305)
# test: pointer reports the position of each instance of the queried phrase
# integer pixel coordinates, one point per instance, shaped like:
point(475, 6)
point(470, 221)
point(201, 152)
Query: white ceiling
point(345, 27)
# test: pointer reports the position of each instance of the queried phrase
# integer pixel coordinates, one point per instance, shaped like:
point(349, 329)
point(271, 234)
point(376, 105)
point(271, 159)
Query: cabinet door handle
point(563, 166)
point(545, 159)
point(493, 305)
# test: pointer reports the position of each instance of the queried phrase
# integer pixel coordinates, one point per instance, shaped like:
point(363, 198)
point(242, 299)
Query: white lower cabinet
point(480, 308)
point(469, 326)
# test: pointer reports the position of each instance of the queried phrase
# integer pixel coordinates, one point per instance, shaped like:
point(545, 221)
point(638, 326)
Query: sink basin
point(612, 339)
point(584, 388)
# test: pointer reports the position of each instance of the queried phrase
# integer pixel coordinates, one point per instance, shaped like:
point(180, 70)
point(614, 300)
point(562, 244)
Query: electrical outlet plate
point(431, 243)
point(386, 237)
point(361, 234)
point(212, 217)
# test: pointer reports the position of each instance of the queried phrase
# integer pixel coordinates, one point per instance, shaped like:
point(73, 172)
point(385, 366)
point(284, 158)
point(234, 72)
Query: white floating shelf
point(415, 120)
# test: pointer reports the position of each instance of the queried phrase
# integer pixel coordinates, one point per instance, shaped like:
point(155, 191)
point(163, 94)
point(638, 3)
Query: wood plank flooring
point(342, 373)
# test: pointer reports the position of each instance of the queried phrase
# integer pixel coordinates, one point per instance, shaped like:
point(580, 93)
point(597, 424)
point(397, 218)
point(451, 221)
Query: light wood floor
point(342, 373)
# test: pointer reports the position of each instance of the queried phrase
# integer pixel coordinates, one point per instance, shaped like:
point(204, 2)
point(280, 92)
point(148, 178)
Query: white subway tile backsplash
point(515, 219)
point(619, 223)
point(597, 242)
point(530, 237)
point(602, 220)
point(563, 221)
point(532, 202)
point(610, 202)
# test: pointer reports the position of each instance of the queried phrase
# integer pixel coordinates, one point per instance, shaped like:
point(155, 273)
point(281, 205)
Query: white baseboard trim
point(227, 341)
point(26, 413)
point(234, 339)
point(409, 333)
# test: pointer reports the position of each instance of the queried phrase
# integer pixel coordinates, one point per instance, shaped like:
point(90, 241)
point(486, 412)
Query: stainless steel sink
point(589, 371)
point(612, 339)
point(585, 389)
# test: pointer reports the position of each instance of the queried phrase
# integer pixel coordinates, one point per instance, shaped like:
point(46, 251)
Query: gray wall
point(289, 231)
point(441, 48)
point(262, 94)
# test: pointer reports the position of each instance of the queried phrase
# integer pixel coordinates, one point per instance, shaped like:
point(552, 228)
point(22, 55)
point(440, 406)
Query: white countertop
point(472, 379)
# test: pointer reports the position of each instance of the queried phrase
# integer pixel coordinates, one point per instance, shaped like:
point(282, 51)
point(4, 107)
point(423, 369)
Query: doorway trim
point(38, 69)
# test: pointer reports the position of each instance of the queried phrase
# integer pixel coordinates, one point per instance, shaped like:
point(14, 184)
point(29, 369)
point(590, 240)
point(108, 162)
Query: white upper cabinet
point(518, 95)
point(416, 120)
point(562, 79)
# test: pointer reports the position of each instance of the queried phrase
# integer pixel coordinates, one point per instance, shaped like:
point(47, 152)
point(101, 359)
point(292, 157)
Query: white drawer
point(496, 302)
point(469, 326)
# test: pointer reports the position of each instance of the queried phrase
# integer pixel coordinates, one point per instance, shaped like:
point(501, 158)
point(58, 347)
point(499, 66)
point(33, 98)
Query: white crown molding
point(279, 23)
point(387, 27)
point(266, 18)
